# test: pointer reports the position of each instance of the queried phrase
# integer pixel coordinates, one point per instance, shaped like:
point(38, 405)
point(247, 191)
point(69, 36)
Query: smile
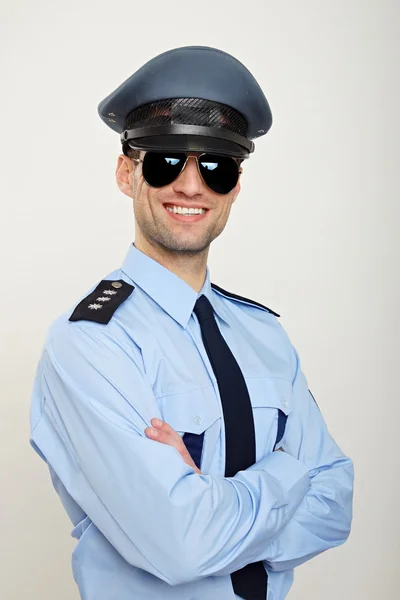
point(182, 210)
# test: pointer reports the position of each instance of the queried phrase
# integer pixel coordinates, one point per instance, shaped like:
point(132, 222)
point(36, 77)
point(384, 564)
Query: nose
point(189, 181)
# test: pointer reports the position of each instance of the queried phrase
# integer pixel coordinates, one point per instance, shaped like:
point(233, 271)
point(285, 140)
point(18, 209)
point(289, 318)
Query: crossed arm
point(92, 410)
point(322, 519)
point(162, 432)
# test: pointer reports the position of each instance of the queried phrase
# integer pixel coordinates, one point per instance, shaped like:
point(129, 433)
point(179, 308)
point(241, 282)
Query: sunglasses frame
point(235, 160)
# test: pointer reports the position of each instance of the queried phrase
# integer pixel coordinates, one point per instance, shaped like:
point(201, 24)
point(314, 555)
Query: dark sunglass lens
point(220, 173)
point(161, 168)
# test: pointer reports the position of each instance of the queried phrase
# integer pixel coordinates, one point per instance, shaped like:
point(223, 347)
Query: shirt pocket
point(196, 416)
point(269, 397)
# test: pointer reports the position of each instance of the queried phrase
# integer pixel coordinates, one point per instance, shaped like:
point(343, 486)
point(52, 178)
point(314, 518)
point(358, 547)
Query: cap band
point(188, 130)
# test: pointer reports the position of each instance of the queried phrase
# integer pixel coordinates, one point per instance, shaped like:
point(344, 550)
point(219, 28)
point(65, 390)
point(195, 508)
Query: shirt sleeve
point(323, 518)
point(91, 404)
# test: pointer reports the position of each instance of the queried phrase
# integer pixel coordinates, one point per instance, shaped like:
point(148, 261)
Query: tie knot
point(203, 309)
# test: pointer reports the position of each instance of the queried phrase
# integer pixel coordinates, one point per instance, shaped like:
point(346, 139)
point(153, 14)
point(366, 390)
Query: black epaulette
point(241, 299)
point(100, 305)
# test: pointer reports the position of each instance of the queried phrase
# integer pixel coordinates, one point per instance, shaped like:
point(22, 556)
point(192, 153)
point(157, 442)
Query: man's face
point(153, 207)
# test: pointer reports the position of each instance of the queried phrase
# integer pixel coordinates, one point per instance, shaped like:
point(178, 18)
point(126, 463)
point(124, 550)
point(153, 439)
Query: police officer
point(174, 416)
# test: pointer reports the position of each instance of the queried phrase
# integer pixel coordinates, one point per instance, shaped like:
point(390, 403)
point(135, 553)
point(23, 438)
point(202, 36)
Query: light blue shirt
point(149, 527)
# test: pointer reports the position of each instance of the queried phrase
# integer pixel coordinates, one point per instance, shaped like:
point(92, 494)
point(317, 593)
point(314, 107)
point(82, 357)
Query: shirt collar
point(168, 290)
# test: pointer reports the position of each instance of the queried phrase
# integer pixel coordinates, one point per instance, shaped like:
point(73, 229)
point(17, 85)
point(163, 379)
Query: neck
point(189, 266)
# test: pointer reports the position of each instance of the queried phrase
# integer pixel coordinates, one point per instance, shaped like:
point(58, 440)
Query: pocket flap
point(273, 392)
point(190, 412)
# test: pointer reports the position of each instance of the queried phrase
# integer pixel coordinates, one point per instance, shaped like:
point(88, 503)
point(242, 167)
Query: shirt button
point(197, 420)
point(116, 284)
point(284, 403)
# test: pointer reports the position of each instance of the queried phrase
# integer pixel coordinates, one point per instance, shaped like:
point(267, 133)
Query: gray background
point(312, 235)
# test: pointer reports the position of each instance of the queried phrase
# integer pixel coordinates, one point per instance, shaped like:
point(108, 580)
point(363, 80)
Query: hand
point(162, 432)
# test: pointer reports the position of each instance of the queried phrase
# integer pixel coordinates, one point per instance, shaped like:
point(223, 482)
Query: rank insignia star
point(109, 292)
point(95, 306)
point(103, 299)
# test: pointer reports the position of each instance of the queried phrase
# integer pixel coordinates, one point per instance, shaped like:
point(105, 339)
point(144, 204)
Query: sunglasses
point(219, 173)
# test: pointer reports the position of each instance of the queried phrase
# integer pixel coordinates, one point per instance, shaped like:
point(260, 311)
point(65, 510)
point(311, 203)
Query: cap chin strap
point(210, 132)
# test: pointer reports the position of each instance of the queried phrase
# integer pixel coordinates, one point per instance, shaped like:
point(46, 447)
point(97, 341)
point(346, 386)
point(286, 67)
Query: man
point(174, 416)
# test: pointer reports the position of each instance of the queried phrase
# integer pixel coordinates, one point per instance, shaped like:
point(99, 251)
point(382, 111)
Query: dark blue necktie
point(250, 582)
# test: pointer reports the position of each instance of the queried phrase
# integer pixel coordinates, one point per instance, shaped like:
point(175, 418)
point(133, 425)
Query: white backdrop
point(312, 235)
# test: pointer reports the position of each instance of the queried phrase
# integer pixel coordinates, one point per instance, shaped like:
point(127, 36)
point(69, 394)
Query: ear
point(237, 186)
point(124, 173)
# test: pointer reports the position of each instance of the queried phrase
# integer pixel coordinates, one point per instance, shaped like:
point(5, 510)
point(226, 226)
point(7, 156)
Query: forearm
point(323, 518)
point(321, 521)
point(246, 510)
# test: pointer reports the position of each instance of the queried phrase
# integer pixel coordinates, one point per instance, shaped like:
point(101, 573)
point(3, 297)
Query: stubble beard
point(185, 245)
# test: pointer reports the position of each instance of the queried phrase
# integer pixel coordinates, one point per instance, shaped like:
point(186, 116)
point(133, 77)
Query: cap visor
point(189, 143)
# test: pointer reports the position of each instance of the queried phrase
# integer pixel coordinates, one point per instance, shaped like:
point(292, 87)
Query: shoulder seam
point(242, 299)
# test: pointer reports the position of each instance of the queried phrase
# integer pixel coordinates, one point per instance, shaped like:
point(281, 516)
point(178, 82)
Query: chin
point(184, 244)
point(186, 248)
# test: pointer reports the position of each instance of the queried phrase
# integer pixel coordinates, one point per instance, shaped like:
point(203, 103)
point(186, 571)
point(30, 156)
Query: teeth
point(179, 210)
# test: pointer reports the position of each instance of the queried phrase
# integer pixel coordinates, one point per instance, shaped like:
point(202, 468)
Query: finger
point(169, 440)
point(164, 433)
point(159, 435)
point(163, 437)
point(167, 435)
point(164, 426)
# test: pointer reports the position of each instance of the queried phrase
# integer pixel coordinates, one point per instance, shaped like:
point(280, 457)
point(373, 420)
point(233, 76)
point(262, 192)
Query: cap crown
point(191, 72)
